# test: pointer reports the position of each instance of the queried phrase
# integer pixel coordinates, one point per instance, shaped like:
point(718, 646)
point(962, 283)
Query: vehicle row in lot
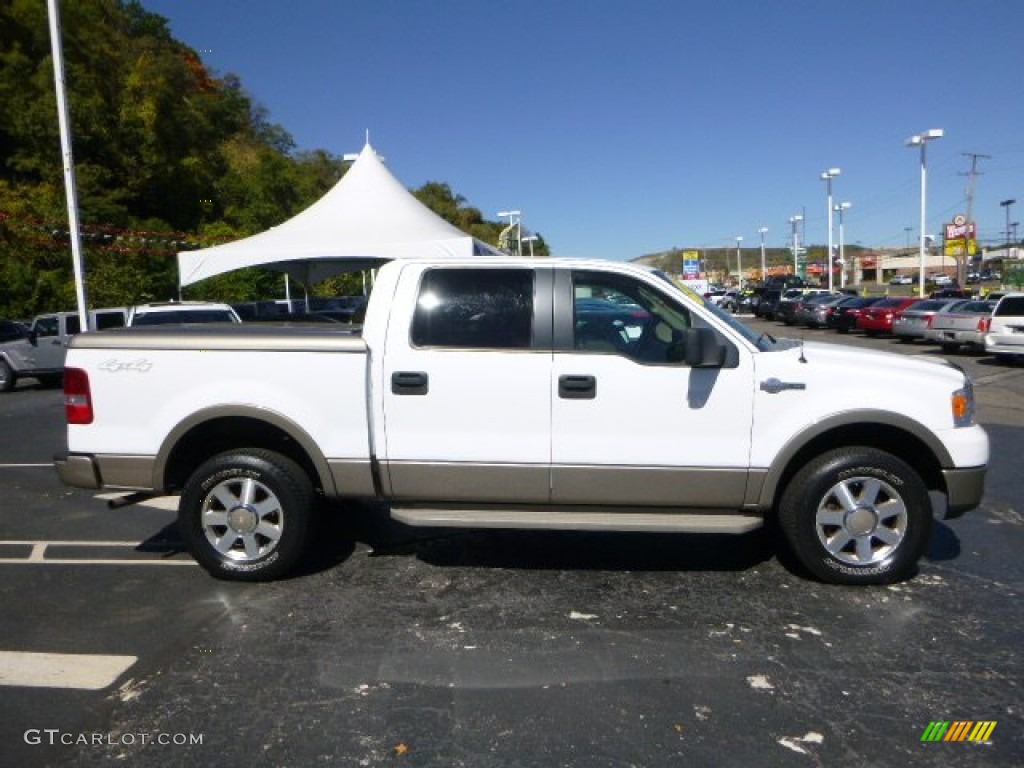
point(994, 323)
point(38, 351)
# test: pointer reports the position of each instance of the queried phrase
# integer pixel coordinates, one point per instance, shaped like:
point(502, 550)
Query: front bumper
point(964, 489)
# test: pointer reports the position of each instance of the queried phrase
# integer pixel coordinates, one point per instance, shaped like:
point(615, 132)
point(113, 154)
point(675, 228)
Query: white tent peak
point(367, 218)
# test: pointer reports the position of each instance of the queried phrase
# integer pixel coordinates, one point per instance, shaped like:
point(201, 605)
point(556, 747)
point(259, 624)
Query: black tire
point(857, 516)
point(246, 515)
point(7, 377)
point(950, 349)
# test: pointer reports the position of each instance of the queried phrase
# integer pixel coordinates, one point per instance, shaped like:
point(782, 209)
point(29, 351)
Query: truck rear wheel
point(857, 516)
point(246, 515)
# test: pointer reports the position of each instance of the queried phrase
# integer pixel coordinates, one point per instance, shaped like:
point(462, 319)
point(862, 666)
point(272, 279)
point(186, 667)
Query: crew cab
point(518, 393)
point(40, 354)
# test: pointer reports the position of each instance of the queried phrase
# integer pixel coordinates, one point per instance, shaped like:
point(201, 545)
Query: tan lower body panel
point(595, 484)
point(580, 519)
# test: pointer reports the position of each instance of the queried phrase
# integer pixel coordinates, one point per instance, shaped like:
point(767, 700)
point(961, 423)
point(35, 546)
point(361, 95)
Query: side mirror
point(703, 350)
point(33, 337)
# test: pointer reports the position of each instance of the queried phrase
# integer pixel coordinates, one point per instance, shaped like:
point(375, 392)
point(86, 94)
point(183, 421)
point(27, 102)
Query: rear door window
point(475, 309)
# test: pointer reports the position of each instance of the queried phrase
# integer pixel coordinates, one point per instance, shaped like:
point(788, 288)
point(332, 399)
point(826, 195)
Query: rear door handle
point(410, 383)
point(573, 387)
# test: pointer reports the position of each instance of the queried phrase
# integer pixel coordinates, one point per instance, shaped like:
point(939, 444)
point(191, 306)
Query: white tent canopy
point(366, 219)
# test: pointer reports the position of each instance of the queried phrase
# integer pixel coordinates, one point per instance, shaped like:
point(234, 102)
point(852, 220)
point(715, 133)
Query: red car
point(877, 319)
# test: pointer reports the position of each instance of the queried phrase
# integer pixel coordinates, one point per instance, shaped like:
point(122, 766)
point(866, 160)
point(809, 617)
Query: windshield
point(762, 341)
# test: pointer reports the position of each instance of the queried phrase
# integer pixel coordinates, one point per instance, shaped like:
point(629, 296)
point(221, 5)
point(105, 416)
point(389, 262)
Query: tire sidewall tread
point(288, 482)
point(800, 499)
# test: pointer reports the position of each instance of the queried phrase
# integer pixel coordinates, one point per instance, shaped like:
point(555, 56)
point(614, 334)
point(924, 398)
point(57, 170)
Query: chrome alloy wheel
point(242, 519)
point(861, 520)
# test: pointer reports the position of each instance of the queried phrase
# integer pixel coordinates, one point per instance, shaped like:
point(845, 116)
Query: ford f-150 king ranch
point(514, 393)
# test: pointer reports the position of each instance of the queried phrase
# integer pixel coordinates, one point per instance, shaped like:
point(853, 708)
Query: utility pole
point(961, 265)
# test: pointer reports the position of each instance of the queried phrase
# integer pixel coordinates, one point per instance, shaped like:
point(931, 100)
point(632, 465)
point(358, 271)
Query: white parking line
point(90, 672)
point(37, 554)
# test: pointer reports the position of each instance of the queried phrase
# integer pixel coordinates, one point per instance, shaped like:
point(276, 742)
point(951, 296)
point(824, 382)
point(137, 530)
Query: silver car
point(910, 324)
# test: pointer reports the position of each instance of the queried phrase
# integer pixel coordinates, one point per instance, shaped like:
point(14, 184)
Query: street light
point(842, 254)
point(1007, 204)
point(921, 140)
point(827, 177)
point(739, 262)
point(794, 221)
point(515, 217)
point(764, 269)
point(531, 239)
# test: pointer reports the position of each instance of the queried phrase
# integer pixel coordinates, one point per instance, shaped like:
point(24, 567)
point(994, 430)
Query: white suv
point(1005, 336)
point(165, 313)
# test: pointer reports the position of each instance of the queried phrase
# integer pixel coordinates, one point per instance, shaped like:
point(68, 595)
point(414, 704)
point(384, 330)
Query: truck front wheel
point(246, 515)
point(857, 516)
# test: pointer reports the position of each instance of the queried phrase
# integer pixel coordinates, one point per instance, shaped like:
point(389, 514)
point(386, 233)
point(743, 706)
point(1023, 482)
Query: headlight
point(962, 404)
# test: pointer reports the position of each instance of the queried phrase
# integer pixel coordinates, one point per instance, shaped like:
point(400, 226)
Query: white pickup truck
point(514, 393)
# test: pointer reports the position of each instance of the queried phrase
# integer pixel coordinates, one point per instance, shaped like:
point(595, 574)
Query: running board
point(560, 519)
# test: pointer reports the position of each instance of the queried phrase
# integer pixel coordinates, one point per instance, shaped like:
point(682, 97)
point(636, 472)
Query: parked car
point(766, 307)
point(942, 279)
point(176, 312)
point(1005, 333)
point(910, 324)
point(40, 353)
point(11, 330)
point(877, 319)
point(901, 280)
point(965, 326)
point(949, 293)
point(844, 318)
point(785, 309)
point(813, 310)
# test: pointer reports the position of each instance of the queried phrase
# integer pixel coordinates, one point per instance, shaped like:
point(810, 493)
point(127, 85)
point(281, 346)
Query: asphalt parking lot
point(404, 646)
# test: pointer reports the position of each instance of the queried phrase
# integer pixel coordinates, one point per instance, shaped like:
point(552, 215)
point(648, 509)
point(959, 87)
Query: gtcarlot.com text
point(55, 736)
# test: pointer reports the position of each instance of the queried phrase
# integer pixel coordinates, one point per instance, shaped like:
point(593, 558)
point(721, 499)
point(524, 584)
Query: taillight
point(984, 324)
point(77, 396)
point(931, 319)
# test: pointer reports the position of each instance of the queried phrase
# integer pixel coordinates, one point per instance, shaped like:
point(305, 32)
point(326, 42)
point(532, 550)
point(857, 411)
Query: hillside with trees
point(169, 156)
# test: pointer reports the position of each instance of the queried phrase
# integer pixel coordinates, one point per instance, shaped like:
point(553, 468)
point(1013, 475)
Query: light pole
point(921, 140)
point(531, 239)
point(827, 177)
point(842, 254)
point(764, 269)
point(794, 222)
point(515, 217)
point(1006, 205)
point(739, 262)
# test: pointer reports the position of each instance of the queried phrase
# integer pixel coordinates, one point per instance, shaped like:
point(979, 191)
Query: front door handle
point(410, 383)
point(572, 387)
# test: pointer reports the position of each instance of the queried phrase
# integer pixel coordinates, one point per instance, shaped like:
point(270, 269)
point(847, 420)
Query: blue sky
point(626, 127)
